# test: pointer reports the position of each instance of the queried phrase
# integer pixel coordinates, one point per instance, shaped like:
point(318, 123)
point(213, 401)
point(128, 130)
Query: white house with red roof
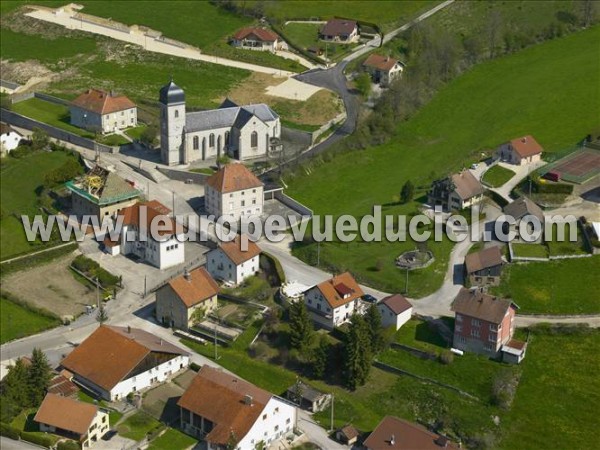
point(519, 151)
point(255, 38)
point(395, 311)
point(230, 263)
point(383, 69)
point(334, 301)
point(148, 233)
point(103, 111)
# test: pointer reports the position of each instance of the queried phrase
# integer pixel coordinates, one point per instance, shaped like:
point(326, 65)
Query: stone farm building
point(116, 361)
point(101, 193)
point(150, 234)
point(79, 421)
point(179, 299)
point(395, 311)
point(521, 151)
point(484, 324)
point(232, 265)
point(242, 132)
point(254, 38)
point(456, 192)
point(219, 408)
point(103, 112)
point(340, 31)
point(233, 192)
point(334, 301)
point(398, 434)
point(383, 69)
point(523, 209)
point(483, 268)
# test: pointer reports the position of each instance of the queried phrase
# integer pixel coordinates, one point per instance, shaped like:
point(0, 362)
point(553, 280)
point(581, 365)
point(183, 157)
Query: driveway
point(521, 172)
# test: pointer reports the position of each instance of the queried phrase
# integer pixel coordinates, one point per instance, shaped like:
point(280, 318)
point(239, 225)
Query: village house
point(180, 300)
point(347, 435)
point(232, 265)
point(523, 209)
point(307, 397)
point(383, 69)
point(483, 268)
point(79, 421)
point(455, 192)
point(340, 31)
point(101, 193)
point(116, 361)
point(484, 324)
point(395, 311)
point(221, 409)
point(398, 434)
point(242, 132)
point(9, 138)
point(149, 234)
point(103, 112)
point(254, 38)
point(334, 301)
point(233, 192)
point(519, 151)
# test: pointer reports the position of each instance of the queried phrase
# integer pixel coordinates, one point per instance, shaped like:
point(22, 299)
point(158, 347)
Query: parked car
point(369, 298)
point(109, 435)
point(552, 176)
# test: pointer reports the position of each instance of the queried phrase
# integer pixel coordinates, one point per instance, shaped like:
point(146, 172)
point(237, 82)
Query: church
point(241, 132)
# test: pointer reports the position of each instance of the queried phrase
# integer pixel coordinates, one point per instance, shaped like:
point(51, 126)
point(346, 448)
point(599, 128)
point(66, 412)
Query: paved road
point(9, 444)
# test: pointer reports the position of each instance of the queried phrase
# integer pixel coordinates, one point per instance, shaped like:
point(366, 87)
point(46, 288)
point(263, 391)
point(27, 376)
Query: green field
point(19, 180)
point(566, 286)
point(497, 176)
point(560, 74)
point(137, 426)
point(172, 440)
point(305, 35)
point(529, 250)
point(566, 247)
point(17, 321)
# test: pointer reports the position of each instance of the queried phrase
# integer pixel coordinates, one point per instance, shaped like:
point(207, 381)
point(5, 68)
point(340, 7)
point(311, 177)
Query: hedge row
point(9, 431)
point(551, 188)
point(38, 439)
point(274, 262)
point(34, 260)
point(68, 445)
point(92, 269)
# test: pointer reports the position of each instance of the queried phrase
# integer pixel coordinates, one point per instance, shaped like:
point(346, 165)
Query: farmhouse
point(82, 422)
point(521, 151)
point(254, 38)
point(523, 210)
point(395, 311)
point(242, 132)
point(9, 138)
point(178, 301)
point(101, 193)
point(102, 111)
point(115, 361)
point(484, 324)
point(307, 397)
point(333, 302)
point(398, 434)
point(340, 30)
point(484, 268)
point(234, 192)
point(231, 264)
point(456, 192)
point(218, 408)
point(383, 69)
point(149, 234)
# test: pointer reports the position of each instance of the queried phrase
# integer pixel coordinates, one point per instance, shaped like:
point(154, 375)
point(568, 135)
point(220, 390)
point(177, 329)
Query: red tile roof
point(337, 287)
point(102, 102)
point(526, 146)
point(233, 177)
point(154, 211)
point(110, 353)
point(338, 27)
point(397, 303)
point(61, 385)
point(234, 252)
point(66, 413)
point(380, 62)
point(221, 398)
point(406, 436)
point(262, 34)
point(194, 287)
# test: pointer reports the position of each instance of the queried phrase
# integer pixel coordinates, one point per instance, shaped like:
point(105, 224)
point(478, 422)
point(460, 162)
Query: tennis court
point(578, 167)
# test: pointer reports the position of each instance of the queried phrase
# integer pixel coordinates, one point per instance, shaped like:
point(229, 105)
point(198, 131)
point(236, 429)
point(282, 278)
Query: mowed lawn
point(17, 321)
point(568, 286)
point(497, 176)
point(172, 440)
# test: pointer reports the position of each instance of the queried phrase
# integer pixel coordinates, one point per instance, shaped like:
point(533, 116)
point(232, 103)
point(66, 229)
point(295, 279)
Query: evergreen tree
point(301, 329)
point(373, 319)
point(321, 358)
point(357, 353)
point(40, 374)
point(408, 192)
point(15, 385)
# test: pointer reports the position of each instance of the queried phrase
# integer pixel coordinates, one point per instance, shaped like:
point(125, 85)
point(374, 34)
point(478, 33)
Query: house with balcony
point(224, 411)
point(383, 69)
point(255, 38)
point(116, 361)
point(340, 31)
point(232, 264)
point(520, 151)
point(334, 301)
point(79, 421)
point(485, 324)
point(455, 192)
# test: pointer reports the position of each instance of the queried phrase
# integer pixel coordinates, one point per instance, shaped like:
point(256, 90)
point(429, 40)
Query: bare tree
point(494, 27)
point(588, 12)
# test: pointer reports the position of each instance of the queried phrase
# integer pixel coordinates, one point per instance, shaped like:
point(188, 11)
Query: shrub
point(8, 430)
point(68, 445)
point(446, 357)
point(38, 439)
point(504, 388)
point(195, 367)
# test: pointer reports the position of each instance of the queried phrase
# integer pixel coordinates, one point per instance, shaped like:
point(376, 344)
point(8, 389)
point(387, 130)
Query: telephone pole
point(332, 402)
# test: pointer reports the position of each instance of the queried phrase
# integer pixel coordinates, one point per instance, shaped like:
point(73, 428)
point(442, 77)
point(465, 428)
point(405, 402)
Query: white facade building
point(395, 311)
point(232, 265)
point(242, 132)
point(103, 112)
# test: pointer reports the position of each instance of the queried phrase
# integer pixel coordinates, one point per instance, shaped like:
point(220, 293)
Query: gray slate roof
point(477, 304)
point(171, 93)
point(522, 207)
point(236, 116)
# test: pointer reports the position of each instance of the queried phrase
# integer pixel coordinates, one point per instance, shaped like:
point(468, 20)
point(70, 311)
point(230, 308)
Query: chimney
point(248, 400)
point(186, 274)
point(160, 342)
point(393, 440)
point(524, 139)
point(128, 329)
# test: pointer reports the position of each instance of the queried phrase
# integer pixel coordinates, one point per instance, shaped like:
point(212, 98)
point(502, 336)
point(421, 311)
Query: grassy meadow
point(17, 321)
